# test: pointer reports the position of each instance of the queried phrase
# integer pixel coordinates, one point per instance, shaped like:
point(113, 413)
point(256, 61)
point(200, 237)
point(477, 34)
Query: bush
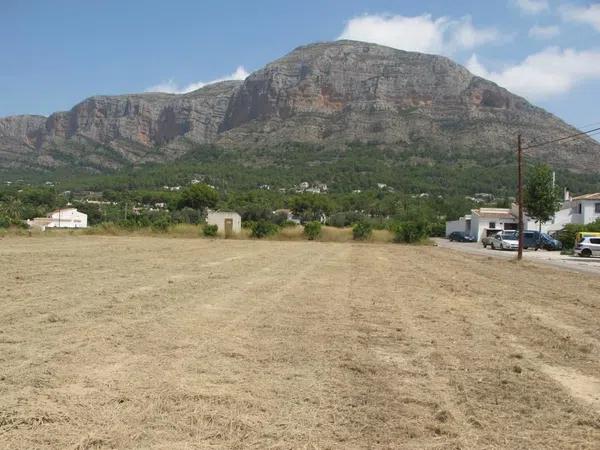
point(345, 219)
point(362, 231)
point(210, 230)
point(312, 230)
point(188, 215)
point(161, 224)
point(567, 234)
point(438, 229)
point(4, 222)
point(263, 228)
point(411, 231)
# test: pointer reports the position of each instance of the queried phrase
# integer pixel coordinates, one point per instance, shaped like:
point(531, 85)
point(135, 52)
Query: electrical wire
point(564, 138)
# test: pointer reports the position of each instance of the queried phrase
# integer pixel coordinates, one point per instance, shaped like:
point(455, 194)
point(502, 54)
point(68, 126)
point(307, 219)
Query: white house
point(585, 208)
point(61, 218)
point(485, 221)
point(580, 210)
point(228, 222)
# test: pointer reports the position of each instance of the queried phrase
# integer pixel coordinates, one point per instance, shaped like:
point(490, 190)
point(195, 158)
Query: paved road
point(555, 259)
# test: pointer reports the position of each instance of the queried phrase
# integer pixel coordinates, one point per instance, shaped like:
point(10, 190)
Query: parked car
point(460, 236)
point(531, 239)
point(549, 243)
point(505, 241)
point(487, 240)
point(588, 246)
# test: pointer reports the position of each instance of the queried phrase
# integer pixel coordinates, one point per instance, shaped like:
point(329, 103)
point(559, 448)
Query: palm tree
point(13, 208)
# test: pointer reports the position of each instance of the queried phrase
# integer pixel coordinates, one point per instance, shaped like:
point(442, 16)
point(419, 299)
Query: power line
point(562, 138)
point(537, 140)
point(588, 125)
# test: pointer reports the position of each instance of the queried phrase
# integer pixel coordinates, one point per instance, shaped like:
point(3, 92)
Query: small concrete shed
point(228, 222)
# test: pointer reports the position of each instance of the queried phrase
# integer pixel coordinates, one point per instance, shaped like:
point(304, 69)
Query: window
point(579, 208)
point(493, 224)
point(595, 241)
point(597, 208)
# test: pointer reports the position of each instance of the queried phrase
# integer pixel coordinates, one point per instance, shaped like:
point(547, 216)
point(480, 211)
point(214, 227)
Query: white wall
point(589, 211)
point(68, 218)
point(218, 218)
point(455, 225)
point(479, 225)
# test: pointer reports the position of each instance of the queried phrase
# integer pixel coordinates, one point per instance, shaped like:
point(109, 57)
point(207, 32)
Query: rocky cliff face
point(323, 93)
point(111, 131)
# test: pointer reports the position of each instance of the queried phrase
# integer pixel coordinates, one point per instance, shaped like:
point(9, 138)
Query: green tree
point(198, 196)
point(210, 230)
point(312, 230)
point(13, 209)
point(541, 199)
point(362, 231)
point(263, 228)
point(311, 206)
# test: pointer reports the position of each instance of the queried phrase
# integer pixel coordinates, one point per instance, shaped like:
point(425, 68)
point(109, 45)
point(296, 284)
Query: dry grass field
point(161, 343)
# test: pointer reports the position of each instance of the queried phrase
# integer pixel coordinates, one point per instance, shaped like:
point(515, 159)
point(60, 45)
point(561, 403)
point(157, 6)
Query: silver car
point(588, 246)
point(505, 241)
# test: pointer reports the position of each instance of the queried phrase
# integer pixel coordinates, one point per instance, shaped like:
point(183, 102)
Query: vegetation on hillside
point(409, 192)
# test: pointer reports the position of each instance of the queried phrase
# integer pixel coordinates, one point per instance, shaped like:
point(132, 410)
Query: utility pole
point(520, 196)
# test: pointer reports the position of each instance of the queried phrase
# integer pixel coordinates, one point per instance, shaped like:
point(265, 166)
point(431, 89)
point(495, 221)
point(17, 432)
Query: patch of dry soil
point(134, 342)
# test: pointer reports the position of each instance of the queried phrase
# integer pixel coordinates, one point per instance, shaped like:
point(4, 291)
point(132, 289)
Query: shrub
point(263, 228)
point(312, 230)
point(362, 231)
point(344, 219)
point(210, 230)
point(161, 224)
point(411, 231)
point(567, 234)
point(438, 229)
point(188, 215)
point(4, 222)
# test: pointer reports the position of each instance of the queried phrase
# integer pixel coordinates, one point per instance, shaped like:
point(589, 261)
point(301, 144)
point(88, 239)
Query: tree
point(362, 231)
point(311, 206)
point(198, 196)
point(541, 199)
point(312, 230)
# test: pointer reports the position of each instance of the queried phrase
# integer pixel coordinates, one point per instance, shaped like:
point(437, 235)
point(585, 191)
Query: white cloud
point(549, 32)
point(532, 6)
point(548, 73)
point(171, 87)
point(589, 15)
point(420, 33)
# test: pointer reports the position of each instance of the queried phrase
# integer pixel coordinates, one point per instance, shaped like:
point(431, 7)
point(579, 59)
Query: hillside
point(330, 94)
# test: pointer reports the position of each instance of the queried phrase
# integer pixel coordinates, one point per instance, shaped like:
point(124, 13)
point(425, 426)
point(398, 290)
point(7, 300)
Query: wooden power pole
point(520, 196)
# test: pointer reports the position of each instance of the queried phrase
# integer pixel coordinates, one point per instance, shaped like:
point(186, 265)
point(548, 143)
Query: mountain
point(325, 93)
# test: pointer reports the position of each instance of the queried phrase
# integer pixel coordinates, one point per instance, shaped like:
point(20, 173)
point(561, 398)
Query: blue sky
point(56, 53)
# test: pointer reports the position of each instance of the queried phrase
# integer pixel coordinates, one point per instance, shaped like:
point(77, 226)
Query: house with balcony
point(483, 222)
point(585, 208)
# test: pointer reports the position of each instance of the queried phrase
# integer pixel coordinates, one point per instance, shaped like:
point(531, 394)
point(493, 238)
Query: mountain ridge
point(327, 93)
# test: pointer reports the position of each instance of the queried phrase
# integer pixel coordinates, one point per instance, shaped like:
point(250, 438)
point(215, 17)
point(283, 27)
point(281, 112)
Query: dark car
point(532, 239)
point(549, 243)
point(460, 236)
point(537, 240)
